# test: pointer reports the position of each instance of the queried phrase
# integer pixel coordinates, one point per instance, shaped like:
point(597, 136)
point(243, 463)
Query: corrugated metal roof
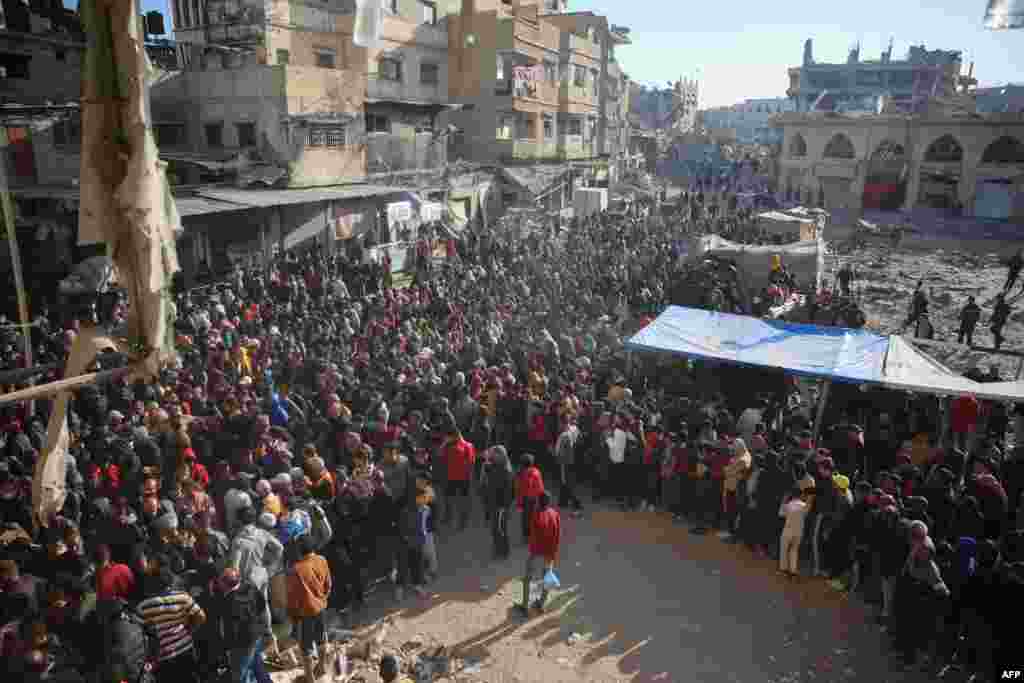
point(268, 198)
point(536, 179)
point(200, 206)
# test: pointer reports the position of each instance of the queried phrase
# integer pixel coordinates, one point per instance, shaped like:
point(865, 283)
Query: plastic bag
point(551, 581)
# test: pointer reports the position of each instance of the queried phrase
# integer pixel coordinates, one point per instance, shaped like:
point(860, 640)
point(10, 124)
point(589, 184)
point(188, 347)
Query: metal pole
point(7, 206)
point(820, 415)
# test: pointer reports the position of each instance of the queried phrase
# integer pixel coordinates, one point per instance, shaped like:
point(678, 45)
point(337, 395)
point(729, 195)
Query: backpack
point(243, 617)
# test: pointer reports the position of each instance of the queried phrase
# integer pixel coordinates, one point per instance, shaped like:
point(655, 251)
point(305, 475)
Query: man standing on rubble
point(969, 317)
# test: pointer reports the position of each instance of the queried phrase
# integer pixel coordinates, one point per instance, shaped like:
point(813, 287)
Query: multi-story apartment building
point(857, 84)
point(285, 83)
point(538, 80)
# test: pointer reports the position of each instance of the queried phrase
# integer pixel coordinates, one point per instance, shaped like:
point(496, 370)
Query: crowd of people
point(321, 427)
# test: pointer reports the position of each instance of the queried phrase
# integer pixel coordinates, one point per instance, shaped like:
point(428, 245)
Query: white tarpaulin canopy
point(832, 353)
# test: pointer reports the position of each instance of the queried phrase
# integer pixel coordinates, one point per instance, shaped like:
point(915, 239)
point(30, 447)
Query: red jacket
point(963, 414)
point(545, 534)
point(529, 485)
point(460, 457)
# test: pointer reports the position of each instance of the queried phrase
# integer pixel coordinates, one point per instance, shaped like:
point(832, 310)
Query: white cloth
point(617, 447)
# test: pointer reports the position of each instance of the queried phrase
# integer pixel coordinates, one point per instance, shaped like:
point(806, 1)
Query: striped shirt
point(169, 614)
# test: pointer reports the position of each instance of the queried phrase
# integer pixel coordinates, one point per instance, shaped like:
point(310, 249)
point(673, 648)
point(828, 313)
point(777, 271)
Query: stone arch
point(797, 146)
point(885, 182)
point(840, 147)
point(944, 150)
point(1002, 151)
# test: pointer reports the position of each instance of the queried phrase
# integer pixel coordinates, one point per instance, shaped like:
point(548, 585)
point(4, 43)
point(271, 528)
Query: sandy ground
point(649, 602)
point(886, 279)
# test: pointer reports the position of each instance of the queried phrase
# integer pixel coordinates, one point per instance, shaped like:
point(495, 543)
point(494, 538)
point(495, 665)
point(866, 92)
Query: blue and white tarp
point(828, 352)
point(833, 353)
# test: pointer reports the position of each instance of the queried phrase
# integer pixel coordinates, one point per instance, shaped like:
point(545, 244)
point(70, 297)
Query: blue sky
point(741, 48)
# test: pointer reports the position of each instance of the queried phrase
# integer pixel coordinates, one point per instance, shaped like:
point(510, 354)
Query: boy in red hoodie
point(545, 539)
point(529, 487)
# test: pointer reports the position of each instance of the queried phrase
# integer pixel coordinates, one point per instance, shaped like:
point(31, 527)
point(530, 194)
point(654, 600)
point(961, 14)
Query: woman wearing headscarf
point(921, 595)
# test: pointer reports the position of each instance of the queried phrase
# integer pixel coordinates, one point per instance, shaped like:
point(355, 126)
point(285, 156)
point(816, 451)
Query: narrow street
point(649, 602)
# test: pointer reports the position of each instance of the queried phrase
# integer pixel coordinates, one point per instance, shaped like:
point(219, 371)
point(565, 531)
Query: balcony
point(540, 91)
point(573, 147)
point(530, 149)
point(379, 88)
point(576, 98)
point(583, 46)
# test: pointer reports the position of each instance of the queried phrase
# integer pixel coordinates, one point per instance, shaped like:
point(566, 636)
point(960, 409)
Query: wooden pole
point(7, 207)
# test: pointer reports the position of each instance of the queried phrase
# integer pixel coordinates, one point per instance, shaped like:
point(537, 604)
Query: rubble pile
point(886, 279)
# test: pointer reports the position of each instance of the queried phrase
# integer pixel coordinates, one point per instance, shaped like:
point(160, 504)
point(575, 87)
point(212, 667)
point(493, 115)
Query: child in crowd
point(794, 511)
point(529, 486)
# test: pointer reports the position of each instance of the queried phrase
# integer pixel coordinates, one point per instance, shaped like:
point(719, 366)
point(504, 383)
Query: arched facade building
point(894, 161)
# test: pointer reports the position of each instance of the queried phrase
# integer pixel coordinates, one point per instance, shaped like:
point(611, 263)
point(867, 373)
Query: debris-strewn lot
point(641, 600)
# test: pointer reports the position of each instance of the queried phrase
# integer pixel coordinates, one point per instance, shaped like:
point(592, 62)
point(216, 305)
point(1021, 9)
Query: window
point(593, 82)
point(429, 12)
point(389, 69)
point(67, 132)
point(170, 134)
point(575, 126)
point(325, 58)
point(549, 126)
point(527, 128)
point(246, 134)
point(326, 136)
point(282, 57)
point(500, 64)
point(579, 76)
point(60, 55)
point(505, 125)
point(550, 71)
point(430, 74)
point(375, 123)
point(393, 6)
point(214, 134)
point(14, 66)
point(176, 6)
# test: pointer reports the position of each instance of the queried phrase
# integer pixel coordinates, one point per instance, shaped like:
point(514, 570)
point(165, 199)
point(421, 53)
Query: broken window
point(214, 134)
point(375, 123)
point(575, 126)
point(430, 74)
point(325, 58)
point(68, 132)
point(549, 126)
point(246, 134)
point(14, 66)
point(389, 69)
point(170, 134)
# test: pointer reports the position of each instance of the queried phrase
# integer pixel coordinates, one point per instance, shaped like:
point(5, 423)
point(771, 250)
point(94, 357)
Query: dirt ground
point(641, 600)
point(886, 279)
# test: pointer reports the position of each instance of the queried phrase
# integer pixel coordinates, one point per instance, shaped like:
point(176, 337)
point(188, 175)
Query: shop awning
point(200, 206)
point(270, 198)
